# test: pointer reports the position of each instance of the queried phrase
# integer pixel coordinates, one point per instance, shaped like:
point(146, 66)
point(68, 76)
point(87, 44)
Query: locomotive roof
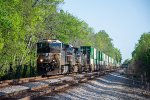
point(53, 40)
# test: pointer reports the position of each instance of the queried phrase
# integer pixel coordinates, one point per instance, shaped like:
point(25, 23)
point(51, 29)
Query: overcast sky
point(123, 20)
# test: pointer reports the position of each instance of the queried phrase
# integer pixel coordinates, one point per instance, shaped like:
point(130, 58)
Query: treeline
point(140, 62)
point(24, 22)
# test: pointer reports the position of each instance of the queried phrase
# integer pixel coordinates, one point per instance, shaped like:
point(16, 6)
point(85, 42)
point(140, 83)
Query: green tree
point(19, 22)
point(103, 42)
point(141, 55)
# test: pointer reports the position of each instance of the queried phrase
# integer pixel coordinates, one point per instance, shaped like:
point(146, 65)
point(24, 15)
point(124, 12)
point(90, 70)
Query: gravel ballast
point(109, 87)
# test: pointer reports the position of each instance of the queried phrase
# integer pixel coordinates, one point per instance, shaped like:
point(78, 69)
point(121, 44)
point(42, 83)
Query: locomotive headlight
point(41, 60)
point(53, 60)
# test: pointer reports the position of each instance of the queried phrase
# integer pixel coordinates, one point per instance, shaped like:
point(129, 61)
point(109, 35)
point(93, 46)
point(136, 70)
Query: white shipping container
point(110, 60)
point(94, 53)
point(102, 62)
point(103, 57)
point(91, 61)
point(99, 62)
point(106, 58)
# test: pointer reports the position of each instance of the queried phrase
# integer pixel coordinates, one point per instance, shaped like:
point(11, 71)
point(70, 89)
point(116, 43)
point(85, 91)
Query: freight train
point(56, 57)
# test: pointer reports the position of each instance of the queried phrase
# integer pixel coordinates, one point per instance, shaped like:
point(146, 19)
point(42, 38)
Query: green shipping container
point(98, 62)
point(88, 50)
point(91, 52)
point(97, 55)
point(95, 61)
point(102, 56)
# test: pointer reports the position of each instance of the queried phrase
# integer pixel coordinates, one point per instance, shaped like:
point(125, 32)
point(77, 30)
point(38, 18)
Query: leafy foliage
point(141, 55)
point(103, 42)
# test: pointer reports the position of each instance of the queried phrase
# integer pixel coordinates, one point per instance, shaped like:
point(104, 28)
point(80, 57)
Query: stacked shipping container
point(97, 59)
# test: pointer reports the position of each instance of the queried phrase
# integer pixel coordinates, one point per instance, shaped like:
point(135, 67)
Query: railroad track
point(25, 80)
point(30, 88)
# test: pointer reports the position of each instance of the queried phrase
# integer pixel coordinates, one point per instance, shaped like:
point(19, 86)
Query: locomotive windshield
point(43, 47)
point(46, 47)
point(55, 47)
point(69, 50)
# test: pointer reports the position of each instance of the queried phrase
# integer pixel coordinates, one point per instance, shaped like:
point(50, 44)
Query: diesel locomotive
point(55, 57)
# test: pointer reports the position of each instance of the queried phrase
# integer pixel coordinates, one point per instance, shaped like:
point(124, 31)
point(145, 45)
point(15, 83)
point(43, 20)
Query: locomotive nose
point(55, 59)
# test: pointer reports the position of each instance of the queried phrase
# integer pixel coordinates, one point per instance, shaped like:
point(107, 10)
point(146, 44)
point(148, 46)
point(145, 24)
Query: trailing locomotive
point(55, 57)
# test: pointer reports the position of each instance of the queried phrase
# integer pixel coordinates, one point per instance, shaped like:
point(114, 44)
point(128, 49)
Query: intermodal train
point(55, 57)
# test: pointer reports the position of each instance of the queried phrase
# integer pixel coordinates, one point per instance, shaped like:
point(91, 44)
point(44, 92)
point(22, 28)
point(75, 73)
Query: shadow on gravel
point(117, 79)
point(118, 92)
point(76, 95)
point(112, 86)
point(91, 93)
point(107, 92)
